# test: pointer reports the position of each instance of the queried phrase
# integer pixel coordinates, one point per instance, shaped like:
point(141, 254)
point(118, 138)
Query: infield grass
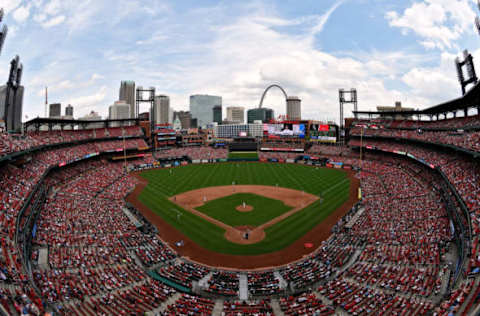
point(224, 209)
point(332, 185)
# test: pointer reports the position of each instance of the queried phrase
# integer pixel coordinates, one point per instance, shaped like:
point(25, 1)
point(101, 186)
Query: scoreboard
point(323, 133)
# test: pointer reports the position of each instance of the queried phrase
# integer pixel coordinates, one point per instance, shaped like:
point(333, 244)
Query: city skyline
point(399, 51)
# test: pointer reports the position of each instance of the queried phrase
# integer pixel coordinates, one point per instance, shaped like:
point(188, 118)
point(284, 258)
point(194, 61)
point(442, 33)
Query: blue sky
point(388, 49)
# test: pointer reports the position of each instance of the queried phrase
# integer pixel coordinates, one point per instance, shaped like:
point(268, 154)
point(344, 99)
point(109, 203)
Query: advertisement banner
point(290, 161)
point(196, 161)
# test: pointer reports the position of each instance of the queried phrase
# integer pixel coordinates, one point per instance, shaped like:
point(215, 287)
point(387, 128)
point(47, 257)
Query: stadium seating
point(392, 258)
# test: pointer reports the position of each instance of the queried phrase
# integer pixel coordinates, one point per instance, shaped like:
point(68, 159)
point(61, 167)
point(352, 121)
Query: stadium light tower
point(477, 19)
point(3, 31)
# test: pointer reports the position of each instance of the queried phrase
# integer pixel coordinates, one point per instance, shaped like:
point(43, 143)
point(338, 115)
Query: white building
point(118, 111)
point(162, 109)
point(236, 114)
point(294, 109)
point(127, 94)
point(233, 130)
point(201, 108)
point(93, 116)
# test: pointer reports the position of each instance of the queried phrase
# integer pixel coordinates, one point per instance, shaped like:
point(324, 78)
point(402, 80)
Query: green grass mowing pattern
point(264, 209)
point(243, 155)
point(332, 185)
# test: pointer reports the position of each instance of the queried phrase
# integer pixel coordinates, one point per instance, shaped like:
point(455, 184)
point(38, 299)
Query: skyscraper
point(184, 117)
point(55, 110)
point(162, 109)
point(118, 111)
point(217, 114)
point(127, 94)
point(294, 111)
point(69, 111)
point(201, 108)
point(236, 114)
point(260, 114)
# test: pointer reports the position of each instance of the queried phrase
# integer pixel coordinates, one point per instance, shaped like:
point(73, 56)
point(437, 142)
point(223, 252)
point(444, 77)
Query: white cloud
point(52, 7)
point(90, 101)
point(9, 5)
point(235, 53)
point(21, 13)
point(438, 22)
point(322, 20)
point(54, 21)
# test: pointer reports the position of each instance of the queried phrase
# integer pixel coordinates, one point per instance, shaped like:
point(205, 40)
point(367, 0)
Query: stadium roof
point(469, 100)
point(64, 122)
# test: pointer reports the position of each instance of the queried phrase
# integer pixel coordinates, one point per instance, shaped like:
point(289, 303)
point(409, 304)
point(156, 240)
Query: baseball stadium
point(377, 214)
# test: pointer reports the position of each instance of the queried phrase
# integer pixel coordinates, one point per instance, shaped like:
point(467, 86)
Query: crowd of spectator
point(393, 258)
point(263, 283)
point(324, 149)
point(194, 153)
point(469, 140)
point(452, 123)
point(10, 143)
point(250, 308)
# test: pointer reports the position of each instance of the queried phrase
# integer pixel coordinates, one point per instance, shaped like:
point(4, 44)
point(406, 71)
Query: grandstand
point(72, 245)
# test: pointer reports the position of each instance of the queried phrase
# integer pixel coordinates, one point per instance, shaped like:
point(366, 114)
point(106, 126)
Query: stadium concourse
point(71, 245)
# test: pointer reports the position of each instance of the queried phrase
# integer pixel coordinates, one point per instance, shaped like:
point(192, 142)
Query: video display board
point(323, 133)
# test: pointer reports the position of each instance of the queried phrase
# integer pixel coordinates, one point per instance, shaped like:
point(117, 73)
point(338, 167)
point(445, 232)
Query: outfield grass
point(332, 185)
point(243, 155)
point(264, 209)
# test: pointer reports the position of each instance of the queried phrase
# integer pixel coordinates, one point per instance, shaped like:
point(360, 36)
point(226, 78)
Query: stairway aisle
point(243, 287)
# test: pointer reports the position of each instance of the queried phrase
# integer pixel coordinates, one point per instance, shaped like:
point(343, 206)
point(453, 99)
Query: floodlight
point(3, 35)
point(477, 24)
point(19, 74)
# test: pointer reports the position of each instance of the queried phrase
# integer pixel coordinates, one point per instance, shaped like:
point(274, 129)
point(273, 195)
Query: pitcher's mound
point(247, 208)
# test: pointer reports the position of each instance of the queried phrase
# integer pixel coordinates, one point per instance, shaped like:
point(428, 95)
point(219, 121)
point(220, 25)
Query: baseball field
point(176, 196)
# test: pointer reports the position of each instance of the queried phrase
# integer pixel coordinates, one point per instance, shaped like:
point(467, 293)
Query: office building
point(161, 109)
point(69, 111)
point(184, 117)
point(234, 130)
point(217, 114)
point(398, 108)
point(144, 116)
point(236, 114)
point(93, 116)
point(201, 108)
point(177, 125)
point(118, 111)
point(55, 110)
point(127, 94)
point(260, 114)
point(294, 111)
point(13, 116)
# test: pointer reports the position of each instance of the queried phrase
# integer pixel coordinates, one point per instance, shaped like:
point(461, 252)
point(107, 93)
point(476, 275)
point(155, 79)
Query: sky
point(388, 50)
